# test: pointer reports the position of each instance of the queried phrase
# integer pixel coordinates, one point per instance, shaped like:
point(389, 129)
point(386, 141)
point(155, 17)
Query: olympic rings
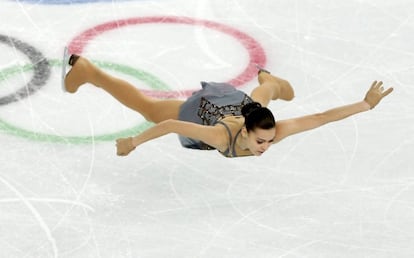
point(40, 66)
point(256, 53)
point(36, 136)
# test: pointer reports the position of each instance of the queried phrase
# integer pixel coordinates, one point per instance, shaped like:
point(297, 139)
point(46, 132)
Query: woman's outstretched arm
point(289, 127)
point(207, 134)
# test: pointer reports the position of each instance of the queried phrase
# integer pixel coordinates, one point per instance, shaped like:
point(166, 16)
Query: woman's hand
point(124, 146)
point(376, 93)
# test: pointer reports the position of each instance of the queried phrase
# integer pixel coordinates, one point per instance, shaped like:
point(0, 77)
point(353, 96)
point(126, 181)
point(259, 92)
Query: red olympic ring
point(256, 53)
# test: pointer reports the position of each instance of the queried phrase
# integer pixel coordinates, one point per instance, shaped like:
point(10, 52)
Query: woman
point(216, 117)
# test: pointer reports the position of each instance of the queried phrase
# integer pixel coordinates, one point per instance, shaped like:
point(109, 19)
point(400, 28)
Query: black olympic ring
point(41, 70)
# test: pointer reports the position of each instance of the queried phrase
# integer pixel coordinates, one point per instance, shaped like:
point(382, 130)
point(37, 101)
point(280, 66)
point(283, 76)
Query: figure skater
point(216, 117)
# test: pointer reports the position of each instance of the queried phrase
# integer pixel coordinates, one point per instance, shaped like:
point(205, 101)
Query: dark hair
point(256, 116)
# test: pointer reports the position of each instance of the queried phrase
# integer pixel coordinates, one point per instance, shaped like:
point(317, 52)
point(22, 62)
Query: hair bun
point(249, 108)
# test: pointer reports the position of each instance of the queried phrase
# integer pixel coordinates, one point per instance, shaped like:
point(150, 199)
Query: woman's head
point(256, 116)
point(259, 130)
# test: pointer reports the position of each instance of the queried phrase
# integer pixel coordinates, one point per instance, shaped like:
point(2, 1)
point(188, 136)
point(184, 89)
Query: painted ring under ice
point(255, 51)
point(8, 128)
point(40, 67)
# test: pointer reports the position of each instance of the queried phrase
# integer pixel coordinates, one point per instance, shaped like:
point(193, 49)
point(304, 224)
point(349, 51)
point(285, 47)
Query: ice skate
point(76, 76)
point(286, 91)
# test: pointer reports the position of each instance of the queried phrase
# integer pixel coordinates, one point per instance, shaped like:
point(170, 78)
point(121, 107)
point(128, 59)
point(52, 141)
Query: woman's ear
point(244, 132)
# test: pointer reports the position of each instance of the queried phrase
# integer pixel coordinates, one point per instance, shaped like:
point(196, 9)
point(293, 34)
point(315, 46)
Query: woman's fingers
point(388, 91)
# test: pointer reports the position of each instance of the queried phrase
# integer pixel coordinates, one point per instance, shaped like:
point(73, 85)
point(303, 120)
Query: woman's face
point(259, 140)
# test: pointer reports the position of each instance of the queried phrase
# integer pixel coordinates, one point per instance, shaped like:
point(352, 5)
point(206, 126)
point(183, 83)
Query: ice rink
point(343, 190)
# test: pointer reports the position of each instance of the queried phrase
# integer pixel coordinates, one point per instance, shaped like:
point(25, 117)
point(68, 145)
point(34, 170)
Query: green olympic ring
point(151, 80)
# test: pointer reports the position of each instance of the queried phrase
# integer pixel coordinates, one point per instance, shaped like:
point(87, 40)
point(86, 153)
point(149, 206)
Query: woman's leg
point(271, 88)
point(154, 110)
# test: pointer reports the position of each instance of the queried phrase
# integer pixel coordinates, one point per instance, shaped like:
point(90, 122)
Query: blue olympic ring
point(68, 2)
